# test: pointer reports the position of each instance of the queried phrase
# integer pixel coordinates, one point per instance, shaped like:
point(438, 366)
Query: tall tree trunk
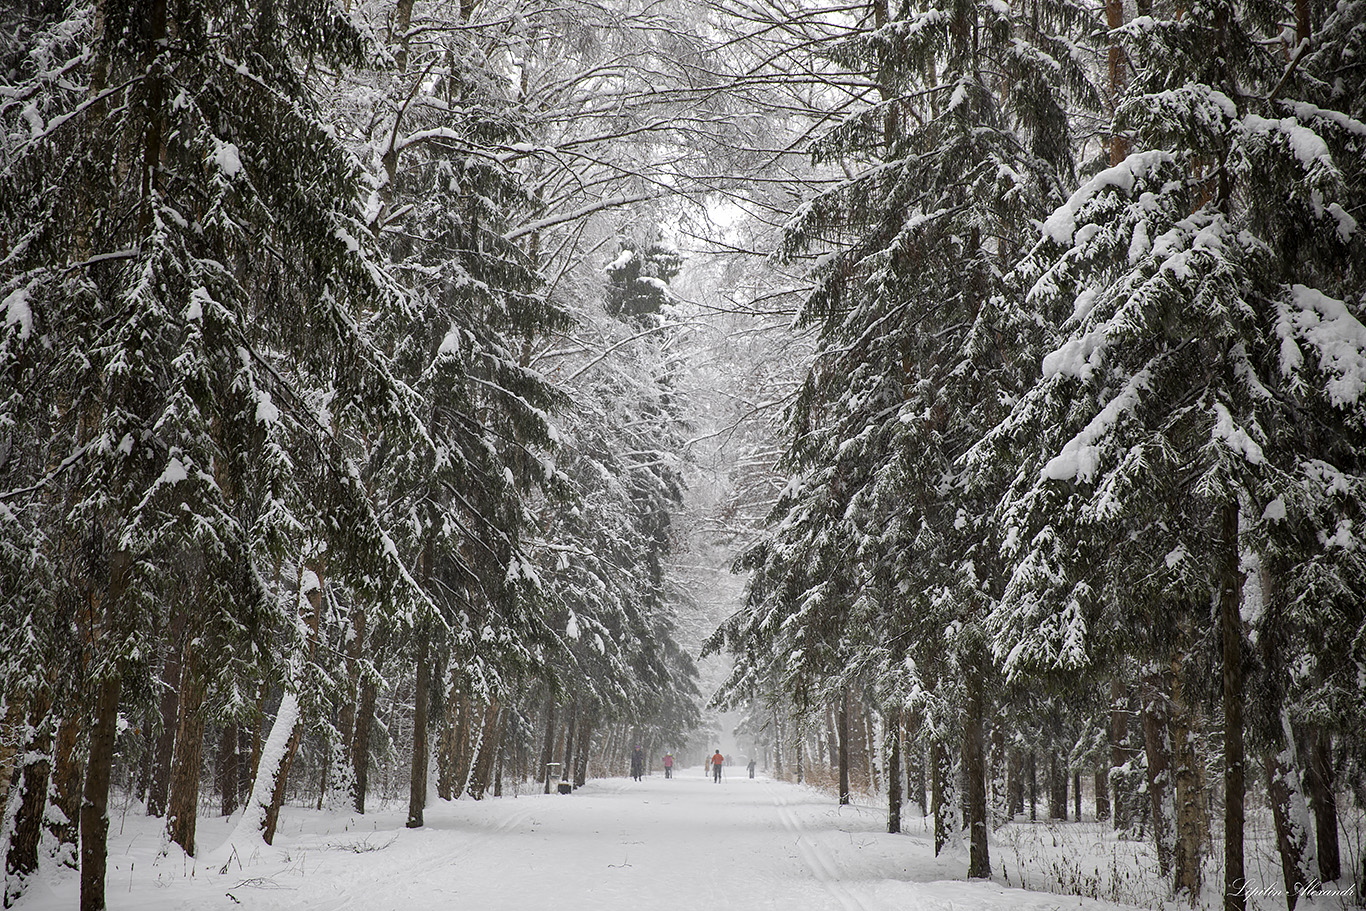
point(894, 773)
point(447, 750)
point(32, 776)
point(1033, 765)
point(1117, 66)
point(159, 787)
point(917, 781)
point(360, 745)
point(481, 766)
point(1122, 804)
point(1290, 816)
point(974, 770)
point(1014, 784)
point(1101, 781)
point(843, 722)
point(585, 744)
point(182, 812)
point(65, 826)
point(311, 589)
point(1057, 787)
point(1230, 604)
point(939, 805)
point(831, 742)
point(104, 724)
point(95, 803)
point(571, 729)
point(1076, 794)
point(229, 761)
point(1190, 810)
point(417, 782)
point(999, 774)
point(1322, 800)
point(548, 750)
point(1156, 746)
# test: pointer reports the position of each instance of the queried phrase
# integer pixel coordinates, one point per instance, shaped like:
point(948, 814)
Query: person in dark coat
point(637, 763)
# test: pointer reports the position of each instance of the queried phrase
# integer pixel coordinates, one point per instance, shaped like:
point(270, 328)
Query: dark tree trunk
point(938, 803)
point(1101, 781)
point(1156, 746)
point(446, 753)
point(1014, 784)
point(490, 736)
point(1117, 66)
point(228, 771)
point(571, 729)
point(975, 771)
point(95, 803)
point(777, 745)
point(585, 744)
point(417, 783)
point(360, 746)
point(831, 741)
point(1076, 794)
point(1292, 841)
point(182, 812)
point(844, 748)
point(1230, 602)
point(916, 779)
point(1319, 785)
point(1057, 788)
point(32, 775)
point(894, 774)
point(548, 750)
point(159, 787)
point(1191, 829)
point(1122, 804)
point(66, 785)
point(1033, 786)
point(498, 766)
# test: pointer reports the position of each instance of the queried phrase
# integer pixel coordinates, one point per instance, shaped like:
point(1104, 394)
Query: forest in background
point(372, 370)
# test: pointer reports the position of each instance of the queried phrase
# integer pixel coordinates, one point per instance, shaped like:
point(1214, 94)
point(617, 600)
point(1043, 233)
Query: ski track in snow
point(818, 860)
point(614, 845)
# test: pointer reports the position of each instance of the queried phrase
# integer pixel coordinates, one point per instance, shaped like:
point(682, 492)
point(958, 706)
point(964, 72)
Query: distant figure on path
point(751, 768)
point(668, 765)
point(716, 762)
point(637, 763)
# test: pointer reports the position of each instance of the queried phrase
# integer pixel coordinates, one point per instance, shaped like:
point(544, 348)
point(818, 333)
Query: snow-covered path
point(749, 845)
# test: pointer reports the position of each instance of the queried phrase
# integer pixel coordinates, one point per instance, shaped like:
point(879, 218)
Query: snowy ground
point(751, 845)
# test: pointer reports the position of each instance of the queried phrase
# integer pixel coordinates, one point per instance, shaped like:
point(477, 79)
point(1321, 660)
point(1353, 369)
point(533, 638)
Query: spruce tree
point(197, 327)
point(1180, 303)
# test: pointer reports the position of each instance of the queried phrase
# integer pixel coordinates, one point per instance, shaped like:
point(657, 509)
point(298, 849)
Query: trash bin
point(566, 787)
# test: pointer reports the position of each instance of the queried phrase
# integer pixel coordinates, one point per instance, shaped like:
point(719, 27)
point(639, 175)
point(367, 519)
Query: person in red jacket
point(716, 762)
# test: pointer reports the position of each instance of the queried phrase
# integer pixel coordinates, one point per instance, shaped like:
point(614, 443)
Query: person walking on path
point(668, 765)
point(716, 762)
point(637, 763)
point(751, 767)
